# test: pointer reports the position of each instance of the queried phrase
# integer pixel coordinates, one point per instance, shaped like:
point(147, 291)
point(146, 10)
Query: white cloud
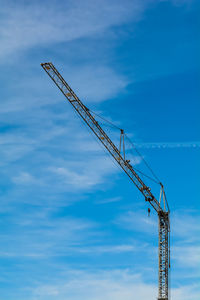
point(107, 285)
point(138, 221)
point(84, 174)
point(24, 178)
point(27, 25)
point(104, 249)
point(186, 225)
point(118, 285)
point(43, 23)
point(109, 200)
point(188, 292)
point(18, 143)
point(186, 256)
point(94, 83)
point(75, 179)
point(185, 246)
point(37, 233)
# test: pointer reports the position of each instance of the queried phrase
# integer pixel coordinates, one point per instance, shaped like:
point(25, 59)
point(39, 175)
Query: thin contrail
point(154, 145)
point(163, 145)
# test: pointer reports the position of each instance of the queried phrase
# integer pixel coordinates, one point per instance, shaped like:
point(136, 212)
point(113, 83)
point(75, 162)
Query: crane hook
point(149, 212)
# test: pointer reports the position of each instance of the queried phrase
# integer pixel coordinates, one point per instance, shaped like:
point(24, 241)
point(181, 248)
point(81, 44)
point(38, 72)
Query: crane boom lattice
point(163, 215)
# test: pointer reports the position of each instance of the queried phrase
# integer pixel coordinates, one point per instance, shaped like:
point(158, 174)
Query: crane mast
point(163, 214)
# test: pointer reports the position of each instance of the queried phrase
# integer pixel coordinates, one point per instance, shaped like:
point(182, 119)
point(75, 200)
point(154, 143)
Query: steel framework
point(163, 214)
point(163, 255)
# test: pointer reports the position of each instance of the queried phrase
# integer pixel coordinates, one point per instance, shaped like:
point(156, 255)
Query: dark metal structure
point(162, 210)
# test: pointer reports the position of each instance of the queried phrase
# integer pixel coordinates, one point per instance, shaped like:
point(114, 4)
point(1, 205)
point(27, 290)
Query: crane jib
point(163, 215)
point(84, 112)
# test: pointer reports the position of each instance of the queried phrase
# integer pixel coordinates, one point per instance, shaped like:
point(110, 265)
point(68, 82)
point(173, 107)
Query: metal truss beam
point(89, 119)
point(163, 255)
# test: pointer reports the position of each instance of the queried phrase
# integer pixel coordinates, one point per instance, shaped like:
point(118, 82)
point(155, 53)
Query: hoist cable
point(145, 175)
point(113, 125)
point(132, 144)
point(147, 165)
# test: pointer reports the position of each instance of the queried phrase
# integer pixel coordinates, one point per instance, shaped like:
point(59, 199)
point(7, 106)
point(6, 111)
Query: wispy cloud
point(109, 200)
point(186, 256)
point(36, 23)
point(137, 221)
point(85, 174)
point(185, 246)
point(105, 249)
point(186, 225)
point(104, 85)
point(39, 147)
point(113, 284)
point(24, 178)
point(49, 161)
point(27, 25)
point(39, 234)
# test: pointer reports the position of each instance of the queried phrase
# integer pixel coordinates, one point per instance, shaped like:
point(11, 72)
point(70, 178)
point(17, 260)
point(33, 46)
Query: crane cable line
point(147, 165)
point(156, 180)
point(142, 173)
point(109, 122)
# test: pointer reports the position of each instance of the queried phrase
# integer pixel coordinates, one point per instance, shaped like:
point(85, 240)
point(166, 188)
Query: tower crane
point(160, 206)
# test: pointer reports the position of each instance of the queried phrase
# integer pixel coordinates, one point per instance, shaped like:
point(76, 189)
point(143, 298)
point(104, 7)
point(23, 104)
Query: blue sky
point(72, 224)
